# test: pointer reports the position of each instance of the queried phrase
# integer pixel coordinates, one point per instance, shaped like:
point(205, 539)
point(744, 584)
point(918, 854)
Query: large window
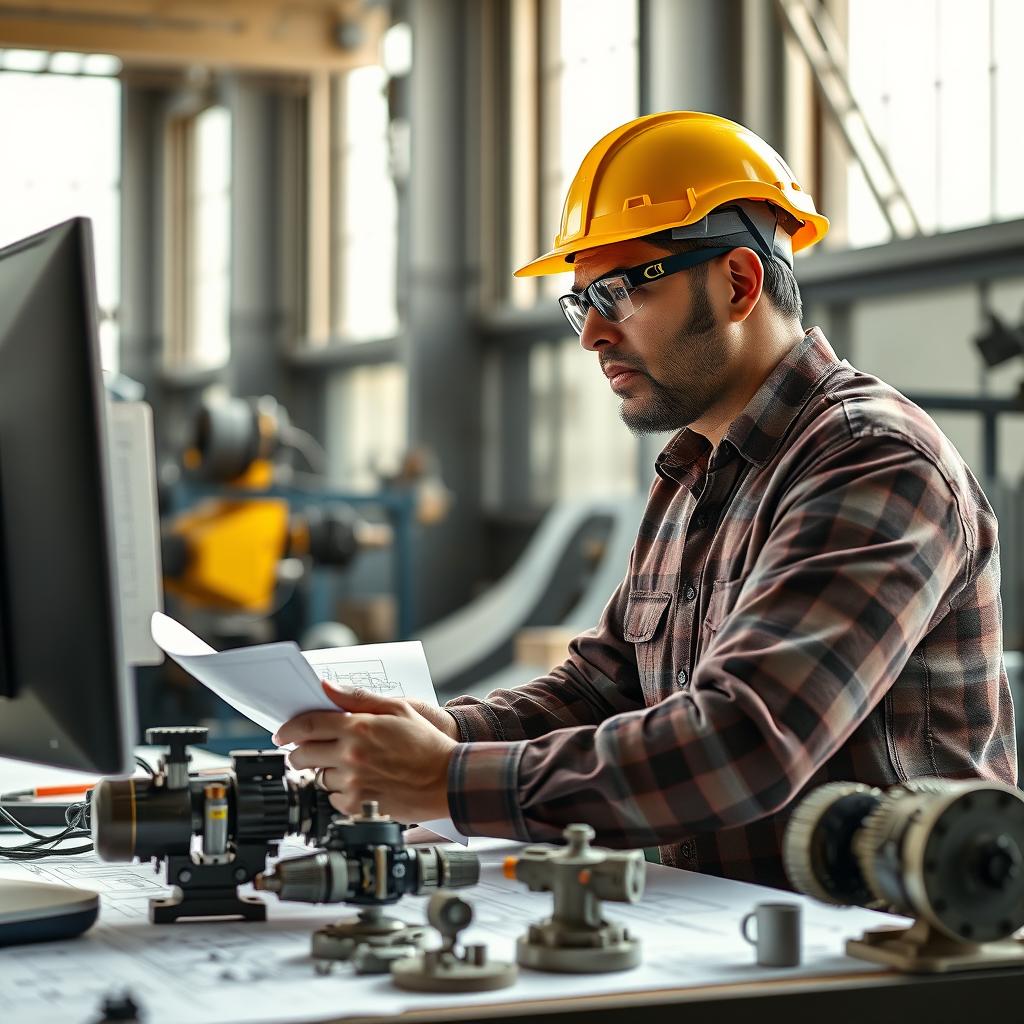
point(366, 425)
point(589, 85)
point(199, 226)
point(941, 87)
point(579, 447)
point(366, 247)
point(210, 276)
point(60, 126)
point(574, 76)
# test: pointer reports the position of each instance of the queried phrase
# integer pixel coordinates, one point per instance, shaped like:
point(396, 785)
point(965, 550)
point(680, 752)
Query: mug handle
point(744, 927)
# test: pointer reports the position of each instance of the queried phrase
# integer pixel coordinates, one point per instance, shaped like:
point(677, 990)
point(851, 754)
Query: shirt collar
point(760, 428)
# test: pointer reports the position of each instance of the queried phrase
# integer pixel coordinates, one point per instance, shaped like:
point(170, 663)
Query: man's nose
point(597, 332)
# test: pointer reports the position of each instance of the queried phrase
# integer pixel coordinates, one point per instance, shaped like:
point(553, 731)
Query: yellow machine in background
point(226, 553)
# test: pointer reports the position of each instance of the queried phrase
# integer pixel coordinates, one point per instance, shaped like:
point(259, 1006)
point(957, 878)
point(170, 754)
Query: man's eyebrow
point(607, 273)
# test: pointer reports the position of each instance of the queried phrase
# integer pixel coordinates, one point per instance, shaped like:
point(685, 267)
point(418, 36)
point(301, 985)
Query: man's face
point(669, 361)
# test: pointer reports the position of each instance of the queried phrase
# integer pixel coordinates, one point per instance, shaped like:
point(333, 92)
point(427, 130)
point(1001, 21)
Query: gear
point(816, 847)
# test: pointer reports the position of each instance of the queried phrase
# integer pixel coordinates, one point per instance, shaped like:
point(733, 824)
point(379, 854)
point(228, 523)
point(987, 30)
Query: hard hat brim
point(814, 226)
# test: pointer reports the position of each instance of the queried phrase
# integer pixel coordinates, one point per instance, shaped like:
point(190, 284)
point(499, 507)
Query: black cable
point(77, 826)
point(76, 819)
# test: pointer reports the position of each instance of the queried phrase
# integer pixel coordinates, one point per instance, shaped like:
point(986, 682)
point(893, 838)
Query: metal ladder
point(814, 31)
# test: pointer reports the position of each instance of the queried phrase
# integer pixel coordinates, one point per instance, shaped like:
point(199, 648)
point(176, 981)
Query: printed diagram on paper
point(369, 675)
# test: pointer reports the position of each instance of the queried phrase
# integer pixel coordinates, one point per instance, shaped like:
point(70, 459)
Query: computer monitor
point(65, 699)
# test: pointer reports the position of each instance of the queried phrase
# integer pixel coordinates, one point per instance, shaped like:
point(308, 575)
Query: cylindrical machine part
point(135, 818)
point(817, 847)
point(369, 875)
point(446, 868)
point(230, 434)
point(951, 853)
point(215, 819)
point(318, 878)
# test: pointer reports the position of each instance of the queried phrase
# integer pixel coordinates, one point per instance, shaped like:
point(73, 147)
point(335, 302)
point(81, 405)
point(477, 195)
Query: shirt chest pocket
point(645, 628)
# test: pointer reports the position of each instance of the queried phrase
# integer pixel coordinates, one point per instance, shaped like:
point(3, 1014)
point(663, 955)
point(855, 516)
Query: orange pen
point(46, 791)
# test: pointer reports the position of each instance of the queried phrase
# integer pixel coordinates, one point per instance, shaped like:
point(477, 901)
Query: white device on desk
point(65, 695)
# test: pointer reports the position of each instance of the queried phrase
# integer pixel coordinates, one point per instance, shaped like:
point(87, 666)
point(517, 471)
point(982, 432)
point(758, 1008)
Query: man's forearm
point(581, 691)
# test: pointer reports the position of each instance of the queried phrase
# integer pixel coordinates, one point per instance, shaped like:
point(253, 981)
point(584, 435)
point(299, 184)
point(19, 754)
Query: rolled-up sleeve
point(867, 548)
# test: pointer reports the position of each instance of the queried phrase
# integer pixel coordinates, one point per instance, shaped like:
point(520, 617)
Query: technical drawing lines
point(370, 675)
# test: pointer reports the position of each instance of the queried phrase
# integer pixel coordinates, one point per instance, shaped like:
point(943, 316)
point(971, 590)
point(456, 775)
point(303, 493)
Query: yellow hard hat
point(668, 170)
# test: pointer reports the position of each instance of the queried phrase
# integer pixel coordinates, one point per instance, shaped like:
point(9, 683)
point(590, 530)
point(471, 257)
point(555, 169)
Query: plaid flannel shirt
point(816, 599)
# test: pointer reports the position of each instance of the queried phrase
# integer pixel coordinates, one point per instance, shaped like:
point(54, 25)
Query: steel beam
point(442, 354)
point(985, 253)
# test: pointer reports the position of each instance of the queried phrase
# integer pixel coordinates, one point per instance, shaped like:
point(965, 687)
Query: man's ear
point(746, 279)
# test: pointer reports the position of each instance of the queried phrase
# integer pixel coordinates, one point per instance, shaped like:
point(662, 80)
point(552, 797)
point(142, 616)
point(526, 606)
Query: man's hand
point(437, 717)
point(387, 749)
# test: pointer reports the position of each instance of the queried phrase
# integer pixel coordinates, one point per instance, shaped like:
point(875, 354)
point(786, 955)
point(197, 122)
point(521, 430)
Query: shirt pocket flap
point(644, 612)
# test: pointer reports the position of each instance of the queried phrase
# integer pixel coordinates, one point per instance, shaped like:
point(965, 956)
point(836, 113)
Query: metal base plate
point(192, 906)
point(413, 975)
point(896, 947)
point(578, 959)
point(340, 940)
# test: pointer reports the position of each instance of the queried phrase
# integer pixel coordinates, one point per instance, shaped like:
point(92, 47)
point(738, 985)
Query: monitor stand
point(38, 912)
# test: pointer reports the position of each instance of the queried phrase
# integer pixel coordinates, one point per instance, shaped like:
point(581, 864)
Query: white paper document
point(226, 972)
point(271, 683)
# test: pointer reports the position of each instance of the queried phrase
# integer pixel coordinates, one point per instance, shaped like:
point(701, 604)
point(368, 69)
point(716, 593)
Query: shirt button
point(690, 593)
point(683, 677)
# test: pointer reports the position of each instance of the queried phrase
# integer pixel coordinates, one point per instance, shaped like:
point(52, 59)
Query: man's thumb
point(358, 699)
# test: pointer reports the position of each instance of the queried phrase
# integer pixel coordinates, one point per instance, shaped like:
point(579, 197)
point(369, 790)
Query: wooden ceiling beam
point(267, 35)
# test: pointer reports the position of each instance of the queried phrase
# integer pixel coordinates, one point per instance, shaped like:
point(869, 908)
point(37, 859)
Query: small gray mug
point(777, 938)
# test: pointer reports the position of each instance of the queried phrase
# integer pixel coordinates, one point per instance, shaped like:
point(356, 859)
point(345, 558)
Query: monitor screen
point(64, 689)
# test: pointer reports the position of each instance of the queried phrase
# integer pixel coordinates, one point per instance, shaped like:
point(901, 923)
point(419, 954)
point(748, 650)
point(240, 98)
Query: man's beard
point(667, 407)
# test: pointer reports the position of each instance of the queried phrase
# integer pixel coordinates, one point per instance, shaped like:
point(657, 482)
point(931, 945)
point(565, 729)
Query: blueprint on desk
point(228, 973)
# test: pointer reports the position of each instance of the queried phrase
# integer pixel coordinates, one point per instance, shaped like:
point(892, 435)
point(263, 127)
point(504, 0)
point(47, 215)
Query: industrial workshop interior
point(511, 510)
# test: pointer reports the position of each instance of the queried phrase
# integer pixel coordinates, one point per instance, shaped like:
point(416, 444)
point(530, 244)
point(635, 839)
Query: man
point(814, 590)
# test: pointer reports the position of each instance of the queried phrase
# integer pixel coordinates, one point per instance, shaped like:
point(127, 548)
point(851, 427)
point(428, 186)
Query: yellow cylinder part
point(668, 170)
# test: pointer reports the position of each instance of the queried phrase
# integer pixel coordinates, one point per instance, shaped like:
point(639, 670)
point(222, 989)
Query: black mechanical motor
point(366, 863)
point(214, 829)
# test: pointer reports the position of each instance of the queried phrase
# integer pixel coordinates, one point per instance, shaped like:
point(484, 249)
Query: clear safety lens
point(612, 297)
point(575, 311)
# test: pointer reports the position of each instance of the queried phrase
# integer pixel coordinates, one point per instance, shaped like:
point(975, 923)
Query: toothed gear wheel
point(261, 806)
point(817, 846)
point(878, 841)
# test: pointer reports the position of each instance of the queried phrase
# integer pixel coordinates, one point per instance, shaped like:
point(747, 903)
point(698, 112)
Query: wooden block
point(374, 619)
point(543, 646)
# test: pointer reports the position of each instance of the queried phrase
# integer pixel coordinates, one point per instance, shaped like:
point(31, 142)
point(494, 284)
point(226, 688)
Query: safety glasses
point(614, 296)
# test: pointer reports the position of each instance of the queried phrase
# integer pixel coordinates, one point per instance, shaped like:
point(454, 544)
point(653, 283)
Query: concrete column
point(257, 319)
point(691, 58)
point(442, 352)
point(142, 247)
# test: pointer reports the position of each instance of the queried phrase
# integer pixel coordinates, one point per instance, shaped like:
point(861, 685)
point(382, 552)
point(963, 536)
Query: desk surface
point(219, 972)
point(695, 965)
